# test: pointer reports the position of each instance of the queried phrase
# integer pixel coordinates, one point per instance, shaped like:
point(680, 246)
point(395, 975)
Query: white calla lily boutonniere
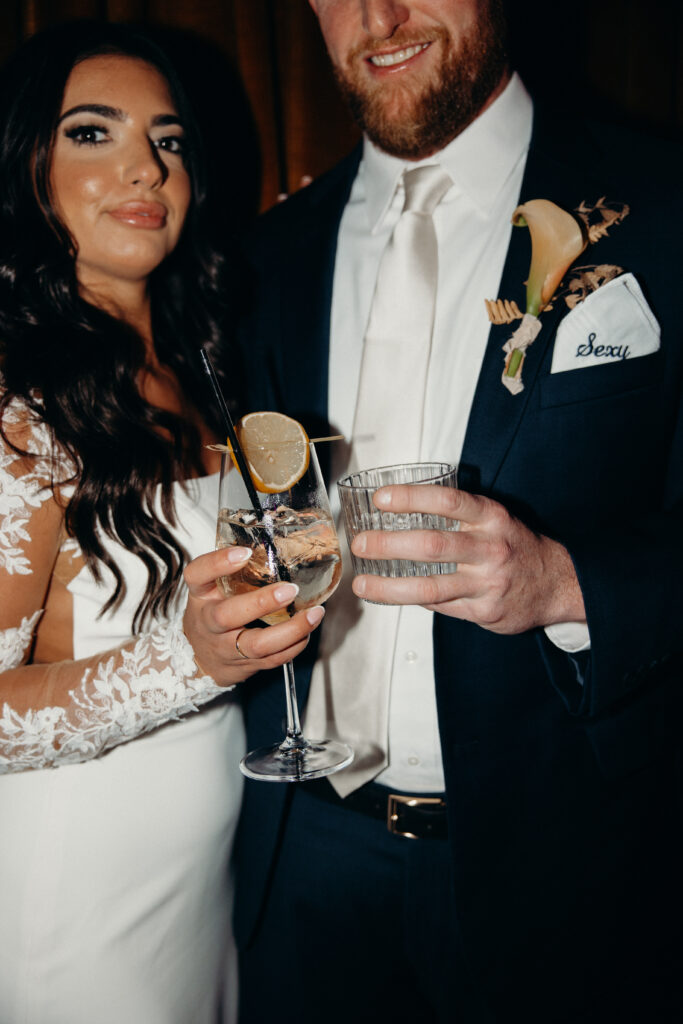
point(557, 239)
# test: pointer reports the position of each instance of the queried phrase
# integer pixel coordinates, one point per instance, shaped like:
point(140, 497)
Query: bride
point(120, 731)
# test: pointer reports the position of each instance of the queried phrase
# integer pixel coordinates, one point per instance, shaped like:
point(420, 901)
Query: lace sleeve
point(15, 642)
point(67, 711)
point(26, 483)
point(121, 695)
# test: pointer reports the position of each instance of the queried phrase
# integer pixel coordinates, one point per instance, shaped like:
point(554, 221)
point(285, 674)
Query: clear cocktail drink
point(300, 545)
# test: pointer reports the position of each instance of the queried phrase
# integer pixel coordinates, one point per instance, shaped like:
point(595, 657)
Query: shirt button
point(410, 656)
point(413, 760)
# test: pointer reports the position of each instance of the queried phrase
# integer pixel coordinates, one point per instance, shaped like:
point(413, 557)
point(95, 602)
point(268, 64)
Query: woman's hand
point(213, 622)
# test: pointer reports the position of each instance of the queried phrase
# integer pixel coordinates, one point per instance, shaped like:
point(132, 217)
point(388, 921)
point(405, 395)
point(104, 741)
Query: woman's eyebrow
point(115, 114)
point(162, 119)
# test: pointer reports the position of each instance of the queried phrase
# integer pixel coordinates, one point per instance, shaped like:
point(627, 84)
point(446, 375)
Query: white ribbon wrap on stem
point(519, 341)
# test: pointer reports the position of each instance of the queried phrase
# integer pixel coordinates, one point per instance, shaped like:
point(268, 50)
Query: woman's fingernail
point(236, 555)
point(359, 545)
point(286, 593)
point(358, 586)
point(383, 498)
point(315, 615)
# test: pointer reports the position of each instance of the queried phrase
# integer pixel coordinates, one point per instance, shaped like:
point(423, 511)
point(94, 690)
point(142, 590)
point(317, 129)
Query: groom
point(507, 843)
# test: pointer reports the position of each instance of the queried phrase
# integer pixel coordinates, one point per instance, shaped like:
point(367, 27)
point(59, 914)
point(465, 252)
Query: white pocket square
point(612, 324)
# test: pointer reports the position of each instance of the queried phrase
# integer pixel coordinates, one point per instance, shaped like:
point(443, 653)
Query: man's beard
point(413, 125)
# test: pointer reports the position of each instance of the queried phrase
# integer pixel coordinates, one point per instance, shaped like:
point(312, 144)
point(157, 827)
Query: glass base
point(312, 760)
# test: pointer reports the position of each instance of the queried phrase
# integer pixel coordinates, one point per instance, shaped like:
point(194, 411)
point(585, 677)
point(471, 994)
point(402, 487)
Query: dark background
point(616, 59)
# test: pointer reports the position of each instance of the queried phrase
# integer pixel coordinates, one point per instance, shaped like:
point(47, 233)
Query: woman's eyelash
point(85, 134)
point(172, 144)
point(95, 135)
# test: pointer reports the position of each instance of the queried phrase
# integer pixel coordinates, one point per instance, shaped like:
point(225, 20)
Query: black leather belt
point(410, 815)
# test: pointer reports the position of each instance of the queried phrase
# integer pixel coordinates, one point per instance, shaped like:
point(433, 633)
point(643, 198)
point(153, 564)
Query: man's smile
point(397, 57)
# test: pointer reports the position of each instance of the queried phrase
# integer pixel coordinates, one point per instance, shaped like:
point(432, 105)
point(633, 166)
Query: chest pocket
point(597, 382)
point(606, 345)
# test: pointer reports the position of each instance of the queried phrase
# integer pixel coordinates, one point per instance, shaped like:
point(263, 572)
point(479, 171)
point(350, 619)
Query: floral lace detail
point(133, 691)
point(14, 642)
point(19, 495)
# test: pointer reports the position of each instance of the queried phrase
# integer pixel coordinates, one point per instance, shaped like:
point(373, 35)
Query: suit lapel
point(496, 414)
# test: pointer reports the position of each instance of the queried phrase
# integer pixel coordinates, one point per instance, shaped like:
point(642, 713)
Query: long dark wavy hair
point(74, 365)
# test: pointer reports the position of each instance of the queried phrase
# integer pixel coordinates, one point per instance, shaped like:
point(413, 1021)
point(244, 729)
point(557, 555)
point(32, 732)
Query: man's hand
point(509, 578)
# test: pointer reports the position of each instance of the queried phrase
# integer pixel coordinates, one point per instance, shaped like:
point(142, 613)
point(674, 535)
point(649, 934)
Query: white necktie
point(349, 695)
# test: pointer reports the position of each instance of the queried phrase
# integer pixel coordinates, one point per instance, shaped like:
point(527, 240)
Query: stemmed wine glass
point(293, 539)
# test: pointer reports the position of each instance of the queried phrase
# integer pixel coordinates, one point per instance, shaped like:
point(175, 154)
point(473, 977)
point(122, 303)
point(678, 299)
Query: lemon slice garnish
point(276, 449)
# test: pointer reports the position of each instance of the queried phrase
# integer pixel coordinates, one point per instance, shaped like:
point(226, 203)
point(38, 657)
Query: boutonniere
point(557, 239)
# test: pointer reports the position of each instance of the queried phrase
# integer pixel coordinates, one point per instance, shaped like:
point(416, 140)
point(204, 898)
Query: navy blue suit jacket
point(562, 772)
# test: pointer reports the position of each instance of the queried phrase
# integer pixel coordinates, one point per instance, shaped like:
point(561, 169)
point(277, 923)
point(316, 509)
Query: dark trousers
point(359, 925)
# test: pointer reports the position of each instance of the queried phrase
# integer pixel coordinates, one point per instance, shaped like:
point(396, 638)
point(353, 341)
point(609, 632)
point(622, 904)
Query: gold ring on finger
point(237, 644)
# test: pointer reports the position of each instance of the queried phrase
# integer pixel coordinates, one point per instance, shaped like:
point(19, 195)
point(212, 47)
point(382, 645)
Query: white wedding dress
point(115, 890)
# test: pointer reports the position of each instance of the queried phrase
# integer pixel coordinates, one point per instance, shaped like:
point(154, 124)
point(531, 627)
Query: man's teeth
point(387, 60)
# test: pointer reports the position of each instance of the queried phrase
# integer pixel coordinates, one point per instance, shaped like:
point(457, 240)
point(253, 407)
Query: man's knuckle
point(452, 502)
point(489, 615)
point(499, 551)
point(434, 544)
point(379, 539)
point(430, 591)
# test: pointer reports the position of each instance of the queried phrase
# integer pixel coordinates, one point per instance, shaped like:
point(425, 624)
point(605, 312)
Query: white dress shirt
point(486, 163)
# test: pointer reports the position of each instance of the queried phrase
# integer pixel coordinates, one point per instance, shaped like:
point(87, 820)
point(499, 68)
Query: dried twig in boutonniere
point(588, 279)
point(601, 216)
point(502, 311)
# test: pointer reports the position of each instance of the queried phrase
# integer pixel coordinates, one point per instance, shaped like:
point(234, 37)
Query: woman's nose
point(144, 166)
point(381, 18)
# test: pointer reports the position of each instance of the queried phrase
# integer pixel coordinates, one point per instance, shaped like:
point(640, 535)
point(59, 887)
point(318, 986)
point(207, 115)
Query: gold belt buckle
point(394, 803)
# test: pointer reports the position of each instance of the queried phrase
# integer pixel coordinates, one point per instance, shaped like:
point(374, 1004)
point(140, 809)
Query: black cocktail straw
point(232, 436)
point(276, 563)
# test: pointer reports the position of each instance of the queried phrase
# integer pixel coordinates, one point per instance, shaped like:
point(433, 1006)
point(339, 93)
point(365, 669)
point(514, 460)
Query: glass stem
point(295, 739)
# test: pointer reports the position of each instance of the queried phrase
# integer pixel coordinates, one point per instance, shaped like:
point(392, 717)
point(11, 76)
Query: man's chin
point(398, 127)
point(391, 117)
point(399, 139)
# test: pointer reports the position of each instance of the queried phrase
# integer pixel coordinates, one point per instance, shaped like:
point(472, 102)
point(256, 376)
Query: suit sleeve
point(631, 576)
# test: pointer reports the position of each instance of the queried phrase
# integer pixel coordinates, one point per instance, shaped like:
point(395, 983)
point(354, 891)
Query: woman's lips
point(140, 215)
